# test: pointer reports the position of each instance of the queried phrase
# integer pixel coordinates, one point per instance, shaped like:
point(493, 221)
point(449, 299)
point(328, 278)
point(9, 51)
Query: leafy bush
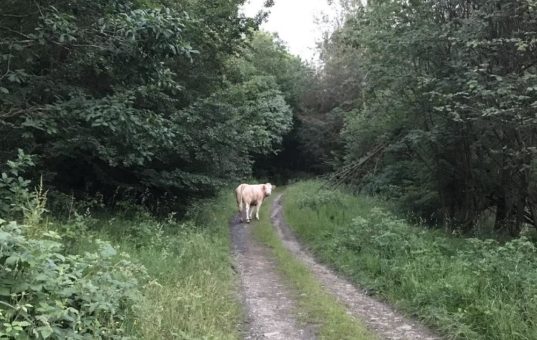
point(14, 189)
point(47, 294)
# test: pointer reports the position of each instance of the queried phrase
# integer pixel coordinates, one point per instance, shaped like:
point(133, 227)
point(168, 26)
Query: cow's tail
point(239, 201)
point(239, 197)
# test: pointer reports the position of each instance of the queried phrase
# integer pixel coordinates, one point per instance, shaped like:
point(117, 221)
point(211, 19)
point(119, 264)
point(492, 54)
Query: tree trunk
point(508, 217)
point(501, 214)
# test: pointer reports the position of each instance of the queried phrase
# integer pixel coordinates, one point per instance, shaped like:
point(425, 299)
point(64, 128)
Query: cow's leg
point(247, 208)
point(257, 210)
point(240, 214)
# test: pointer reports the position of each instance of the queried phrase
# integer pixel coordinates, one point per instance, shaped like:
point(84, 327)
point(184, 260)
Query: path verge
point(379, 317)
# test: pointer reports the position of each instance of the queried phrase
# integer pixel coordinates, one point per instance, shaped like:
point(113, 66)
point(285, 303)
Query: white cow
point(252, 195)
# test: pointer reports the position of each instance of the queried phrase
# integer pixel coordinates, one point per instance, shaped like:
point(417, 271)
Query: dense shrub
point(46, 289)
point(14, 189)
point(45, 293)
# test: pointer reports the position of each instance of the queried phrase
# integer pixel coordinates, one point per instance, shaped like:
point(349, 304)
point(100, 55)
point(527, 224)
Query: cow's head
point(267, 188)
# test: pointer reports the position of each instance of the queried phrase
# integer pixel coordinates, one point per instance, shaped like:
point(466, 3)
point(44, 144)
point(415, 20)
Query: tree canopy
point(430, 103)
point(132, 96)
point(438, 102)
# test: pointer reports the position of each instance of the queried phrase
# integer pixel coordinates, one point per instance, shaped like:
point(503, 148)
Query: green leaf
point(45, 331)
point(107, 250)
point(4, 236)
point(12, 260)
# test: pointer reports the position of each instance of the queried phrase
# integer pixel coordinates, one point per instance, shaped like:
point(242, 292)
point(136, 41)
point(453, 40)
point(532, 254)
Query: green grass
point(317, 306)
point(190, 293)
point(465, 288)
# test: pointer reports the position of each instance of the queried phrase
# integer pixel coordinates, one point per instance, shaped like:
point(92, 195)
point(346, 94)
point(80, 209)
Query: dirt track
point(270, 304)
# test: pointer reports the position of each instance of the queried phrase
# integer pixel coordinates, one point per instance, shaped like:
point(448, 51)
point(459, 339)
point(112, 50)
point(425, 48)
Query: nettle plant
point(45, 293)
point(14, 189)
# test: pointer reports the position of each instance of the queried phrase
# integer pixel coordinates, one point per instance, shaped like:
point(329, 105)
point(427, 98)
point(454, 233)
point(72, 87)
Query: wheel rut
point(380, 318)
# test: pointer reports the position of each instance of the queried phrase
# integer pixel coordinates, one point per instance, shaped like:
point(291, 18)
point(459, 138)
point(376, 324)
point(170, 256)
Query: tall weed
point(191, 290)
point(14, 188)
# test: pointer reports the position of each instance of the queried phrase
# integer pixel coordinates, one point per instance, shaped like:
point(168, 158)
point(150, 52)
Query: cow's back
point(252, 194)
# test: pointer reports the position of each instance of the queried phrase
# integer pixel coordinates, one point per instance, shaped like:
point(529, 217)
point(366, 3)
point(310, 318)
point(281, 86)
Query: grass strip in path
point(269, 303)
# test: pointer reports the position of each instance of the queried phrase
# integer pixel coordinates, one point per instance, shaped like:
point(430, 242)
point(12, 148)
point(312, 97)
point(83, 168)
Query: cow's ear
point(264, 189)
